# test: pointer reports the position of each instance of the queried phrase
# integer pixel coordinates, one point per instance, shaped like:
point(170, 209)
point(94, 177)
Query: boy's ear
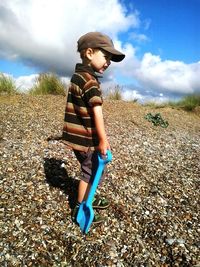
point(89, 53)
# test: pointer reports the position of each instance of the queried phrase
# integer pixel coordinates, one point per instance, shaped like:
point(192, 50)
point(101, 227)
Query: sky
point(160, 38)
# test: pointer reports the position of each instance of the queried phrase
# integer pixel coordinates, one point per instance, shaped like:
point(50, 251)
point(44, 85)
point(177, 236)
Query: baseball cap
point(100, 40)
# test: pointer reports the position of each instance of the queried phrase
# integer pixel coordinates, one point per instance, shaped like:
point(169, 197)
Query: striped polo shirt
point(79, 131)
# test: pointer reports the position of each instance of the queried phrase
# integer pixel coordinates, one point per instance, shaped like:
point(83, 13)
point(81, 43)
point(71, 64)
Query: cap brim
point(116, 55)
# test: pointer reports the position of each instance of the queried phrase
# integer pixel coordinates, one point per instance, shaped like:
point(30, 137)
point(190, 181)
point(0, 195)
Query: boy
point(84, 129)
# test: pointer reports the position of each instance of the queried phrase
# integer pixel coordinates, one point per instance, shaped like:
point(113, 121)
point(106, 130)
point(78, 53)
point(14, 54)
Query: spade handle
point(102, 161)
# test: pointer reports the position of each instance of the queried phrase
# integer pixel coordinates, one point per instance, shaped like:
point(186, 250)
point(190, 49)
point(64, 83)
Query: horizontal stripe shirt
point(79, 131)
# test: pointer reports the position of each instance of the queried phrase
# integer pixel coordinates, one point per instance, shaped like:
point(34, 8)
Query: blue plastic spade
point(85, 213)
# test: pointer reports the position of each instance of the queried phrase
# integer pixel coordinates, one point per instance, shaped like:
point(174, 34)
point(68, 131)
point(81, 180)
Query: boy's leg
point(84, 185)
point(83, 190)
point(98, 203)
point(89, 164)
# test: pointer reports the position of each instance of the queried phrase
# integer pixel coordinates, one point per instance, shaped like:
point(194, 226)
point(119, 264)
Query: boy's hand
point(103, 147)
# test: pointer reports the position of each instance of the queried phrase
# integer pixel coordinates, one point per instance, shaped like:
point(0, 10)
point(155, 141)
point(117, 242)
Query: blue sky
point(16, 68)
point(174, 30)
point(161, 40)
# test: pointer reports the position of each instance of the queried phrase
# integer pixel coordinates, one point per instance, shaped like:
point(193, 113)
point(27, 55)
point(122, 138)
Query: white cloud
point(139, 37)
point(147, 23)
point(129, 64)
point(168, 75)
point(24, 83)
point(45, 32)
point(130, 95)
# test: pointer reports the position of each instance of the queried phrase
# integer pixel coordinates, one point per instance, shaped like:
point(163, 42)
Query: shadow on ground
point(57, 176)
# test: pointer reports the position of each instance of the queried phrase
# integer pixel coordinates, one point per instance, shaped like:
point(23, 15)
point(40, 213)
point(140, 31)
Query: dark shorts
point(89, 165)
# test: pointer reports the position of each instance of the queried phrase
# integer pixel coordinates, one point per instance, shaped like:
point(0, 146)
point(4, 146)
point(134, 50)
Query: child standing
point(84, 129)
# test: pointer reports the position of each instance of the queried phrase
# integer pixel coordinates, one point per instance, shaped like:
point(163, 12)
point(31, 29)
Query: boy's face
point(100, 60)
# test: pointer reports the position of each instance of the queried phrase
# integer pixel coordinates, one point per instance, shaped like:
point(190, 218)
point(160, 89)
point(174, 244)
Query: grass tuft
point(189, 102)
point(48, 83)
point(115, 93)
point(7, 85)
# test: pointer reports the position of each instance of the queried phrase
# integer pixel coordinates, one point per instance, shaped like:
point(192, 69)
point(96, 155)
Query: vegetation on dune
point(114, 93)
point(7, 85)
point(188, 103)
point(51, 84)
point(48, 83)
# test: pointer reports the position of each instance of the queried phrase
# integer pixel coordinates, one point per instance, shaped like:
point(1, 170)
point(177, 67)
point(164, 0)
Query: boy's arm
point(99, 123)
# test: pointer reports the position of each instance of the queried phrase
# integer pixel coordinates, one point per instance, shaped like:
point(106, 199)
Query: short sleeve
point(92, 94)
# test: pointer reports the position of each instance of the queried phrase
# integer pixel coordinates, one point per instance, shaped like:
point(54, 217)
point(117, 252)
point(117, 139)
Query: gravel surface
point(152, 183)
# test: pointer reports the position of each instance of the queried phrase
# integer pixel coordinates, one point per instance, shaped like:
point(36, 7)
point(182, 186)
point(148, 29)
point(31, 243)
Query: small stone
point(170, 241)
point(180, 241)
